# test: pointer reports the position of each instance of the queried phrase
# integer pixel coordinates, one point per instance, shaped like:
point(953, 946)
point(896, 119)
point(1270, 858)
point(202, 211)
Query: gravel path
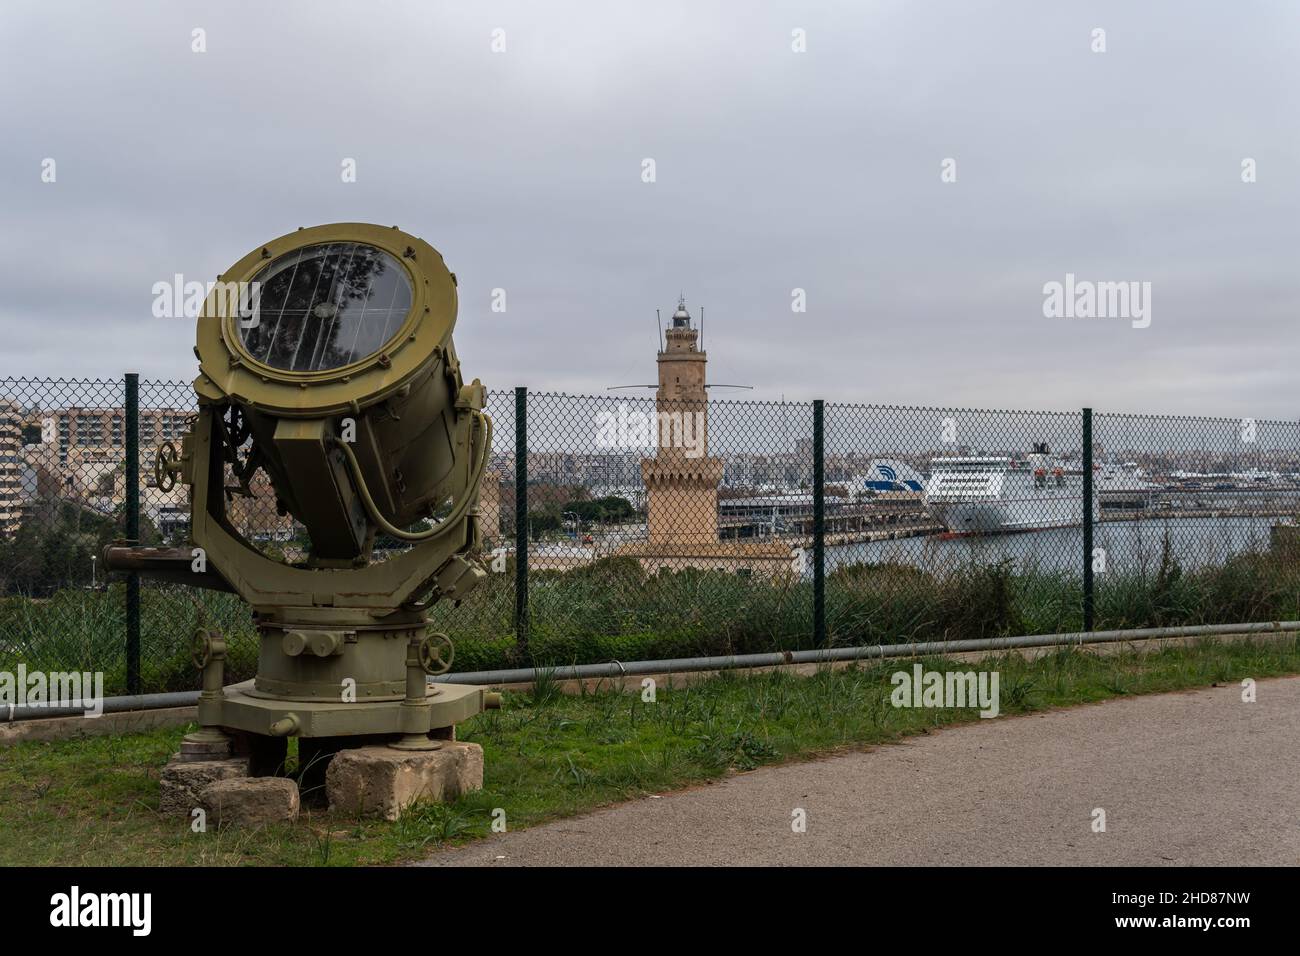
point(1192, 778)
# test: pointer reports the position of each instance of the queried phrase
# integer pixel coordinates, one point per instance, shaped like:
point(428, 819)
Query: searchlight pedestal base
point(254, 720)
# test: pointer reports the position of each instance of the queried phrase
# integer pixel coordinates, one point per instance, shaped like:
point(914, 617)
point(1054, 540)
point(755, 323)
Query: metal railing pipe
point(524, 675)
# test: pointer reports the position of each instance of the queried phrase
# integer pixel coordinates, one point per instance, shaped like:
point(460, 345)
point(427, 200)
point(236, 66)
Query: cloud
point(775, 171)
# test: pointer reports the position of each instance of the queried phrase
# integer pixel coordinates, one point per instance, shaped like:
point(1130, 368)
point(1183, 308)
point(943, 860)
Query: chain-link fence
point(618, 528)
point(1197, 520)
point(654, 530)
point(62, 482)
point(953, 523)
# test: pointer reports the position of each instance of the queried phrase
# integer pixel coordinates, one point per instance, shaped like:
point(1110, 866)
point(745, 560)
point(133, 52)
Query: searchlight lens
point(325, 306)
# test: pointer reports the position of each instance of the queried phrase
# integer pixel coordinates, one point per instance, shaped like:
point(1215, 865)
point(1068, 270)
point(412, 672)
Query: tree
point(55, 543)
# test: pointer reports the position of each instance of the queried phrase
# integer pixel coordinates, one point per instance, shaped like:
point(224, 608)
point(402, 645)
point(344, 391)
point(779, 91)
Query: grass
point(549, 755)
point(611, 610)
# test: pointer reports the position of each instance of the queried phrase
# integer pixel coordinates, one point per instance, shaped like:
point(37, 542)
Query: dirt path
point(1191, 778)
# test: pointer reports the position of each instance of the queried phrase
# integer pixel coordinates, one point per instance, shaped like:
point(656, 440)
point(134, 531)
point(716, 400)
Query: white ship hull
point(997, 495)
point(985, 517)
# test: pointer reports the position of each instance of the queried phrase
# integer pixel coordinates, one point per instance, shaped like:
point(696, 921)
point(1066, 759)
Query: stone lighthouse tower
point(682, 479)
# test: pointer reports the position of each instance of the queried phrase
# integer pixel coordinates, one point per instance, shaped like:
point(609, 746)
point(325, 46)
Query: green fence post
point(521, 519)
point(132, 516)
point(1087, 521)
point(819, 524)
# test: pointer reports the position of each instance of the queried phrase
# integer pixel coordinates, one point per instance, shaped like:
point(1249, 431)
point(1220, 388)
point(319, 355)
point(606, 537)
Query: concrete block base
point(251, 801)
point(381, 782)
point(183, 781)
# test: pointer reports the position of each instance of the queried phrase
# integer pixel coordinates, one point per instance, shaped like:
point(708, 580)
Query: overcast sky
point(775, 170)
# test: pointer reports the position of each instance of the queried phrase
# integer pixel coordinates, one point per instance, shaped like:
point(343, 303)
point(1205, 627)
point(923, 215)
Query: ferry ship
point(1124, 486)
point(993, 495)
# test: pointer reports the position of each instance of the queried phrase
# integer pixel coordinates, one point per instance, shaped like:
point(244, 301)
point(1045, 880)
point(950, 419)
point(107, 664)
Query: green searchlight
point(335, 374)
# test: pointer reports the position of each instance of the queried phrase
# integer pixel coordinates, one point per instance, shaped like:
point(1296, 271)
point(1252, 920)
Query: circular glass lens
point(325, 306)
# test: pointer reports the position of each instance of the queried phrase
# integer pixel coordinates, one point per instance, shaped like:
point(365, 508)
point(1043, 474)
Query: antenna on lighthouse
point(681, 320)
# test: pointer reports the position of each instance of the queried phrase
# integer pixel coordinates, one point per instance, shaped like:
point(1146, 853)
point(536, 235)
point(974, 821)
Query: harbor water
point(1131, 547)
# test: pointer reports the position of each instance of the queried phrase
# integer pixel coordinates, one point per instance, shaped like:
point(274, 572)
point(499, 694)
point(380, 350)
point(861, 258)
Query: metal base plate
point(416, 742)
point(447, 705)
point(207, 743)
